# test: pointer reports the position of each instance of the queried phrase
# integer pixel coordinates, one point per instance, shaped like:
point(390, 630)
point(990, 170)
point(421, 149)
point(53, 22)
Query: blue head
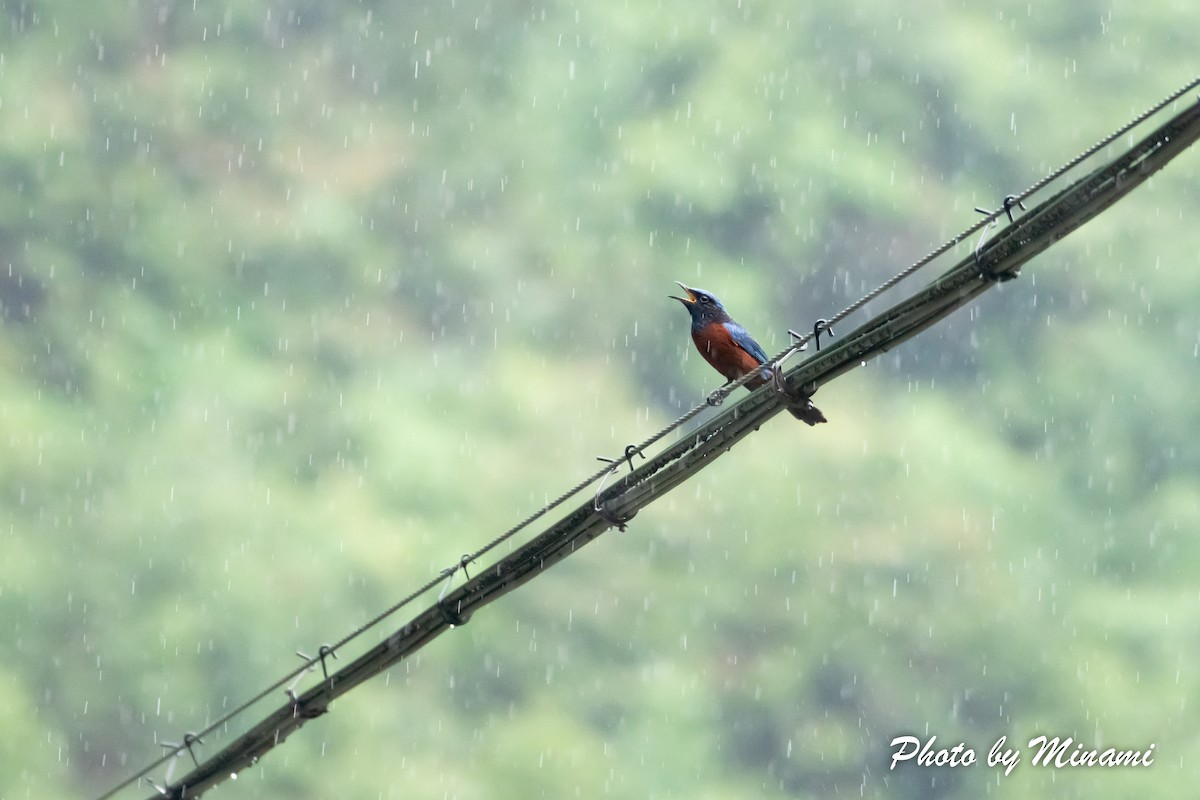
point(704, 307)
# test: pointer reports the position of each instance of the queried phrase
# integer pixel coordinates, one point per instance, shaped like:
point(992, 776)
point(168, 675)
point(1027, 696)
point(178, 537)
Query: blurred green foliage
point(301, 300)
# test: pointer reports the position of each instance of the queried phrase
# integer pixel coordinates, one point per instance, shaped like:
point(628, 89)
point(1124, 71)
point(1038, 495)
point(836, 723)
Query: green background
point(302, 300)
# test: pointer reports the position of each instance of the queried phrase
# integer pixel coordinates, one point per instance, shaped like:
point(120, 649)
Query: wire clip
point(323, 652)
point(801, 339)
point(1010, 201)
point(176, 750)
point(630, 451)
point(452, 617)
point(189, 739)
point(778, 383)
point(819, 327)
point(621, 523)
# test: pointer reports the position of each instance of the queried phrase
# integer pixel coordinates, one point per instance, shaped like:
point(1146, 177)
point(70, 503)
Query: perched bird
point(732, 351)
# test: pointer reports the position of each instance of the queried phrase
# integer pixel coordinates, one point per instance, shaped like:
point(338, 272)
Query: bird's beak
point(691, 296)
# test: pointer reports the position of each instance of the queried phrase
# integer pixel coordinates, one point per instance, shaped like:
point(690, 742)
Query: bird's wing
point(745, 341)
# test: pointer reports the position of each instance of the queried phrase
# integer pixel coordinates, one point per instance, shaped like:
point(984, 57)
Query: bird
point(732, 351)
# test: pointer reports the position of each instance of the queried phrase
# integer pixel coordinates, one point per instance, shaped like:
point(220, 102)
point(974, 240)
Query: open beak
point(691, 296)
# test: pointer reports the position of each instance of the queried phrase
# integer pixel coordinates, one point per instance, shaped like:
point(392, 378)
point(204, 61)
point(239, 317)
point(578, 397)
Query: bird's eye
point(704, 299)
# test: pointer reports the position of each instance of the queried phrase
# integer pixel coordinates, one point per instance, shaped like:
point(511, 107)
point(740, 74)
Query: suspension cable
point(588, 521)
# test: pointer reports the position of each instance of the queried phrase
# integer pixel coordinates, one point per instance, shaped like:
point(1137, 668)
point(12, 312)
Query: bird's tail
point(805, 411)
